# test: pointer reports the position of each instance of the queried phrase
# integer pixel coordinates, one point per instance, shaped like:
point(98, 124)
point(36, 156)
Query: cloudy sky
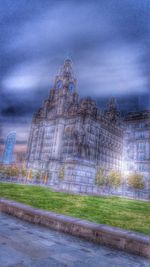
point(107, 40)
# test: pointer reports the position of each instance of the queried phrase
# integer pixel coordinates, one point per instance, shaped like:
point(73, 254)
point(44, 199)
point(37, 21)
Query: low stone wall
point(105, 235)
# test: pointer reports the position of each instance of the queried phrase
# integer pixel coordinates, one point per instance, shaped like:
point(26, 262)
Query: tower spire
point(65, 78)
point(66, 69)
point(112, 110)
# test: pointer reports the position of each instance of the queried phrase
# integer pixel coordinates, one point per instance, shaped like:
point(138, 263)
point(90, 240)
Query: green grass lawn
point(120, 212)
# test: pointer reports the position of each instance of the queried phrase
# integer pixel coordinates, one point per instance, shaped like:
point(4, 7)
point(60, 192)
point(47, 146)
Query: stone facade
point(74, 134)
point(137, 143)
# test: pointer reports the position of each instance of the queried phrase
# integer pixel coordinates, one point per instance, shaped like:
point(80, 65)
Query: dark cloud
point(108, 41)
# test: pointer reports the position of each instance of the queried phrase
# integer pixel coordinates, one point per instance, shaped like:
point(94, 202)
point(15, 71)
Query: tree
point(7, 171)
point(23, 172)
point(114, 178)
point(37, 176)
point(136, 181)
point(101, 177)
point(61, 173)
point(45, 178)
point(30, 175)
point(14, 171)
point(2, 170)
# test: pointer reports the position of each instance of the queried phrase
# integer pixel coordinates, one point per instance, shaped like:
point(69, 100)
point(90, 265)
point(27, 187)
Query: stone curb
point(102, 234)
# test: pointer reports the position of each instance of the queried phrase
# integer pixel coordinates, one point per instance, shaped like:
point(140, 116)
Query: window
point(141, 125)
point(142, 135)
point(140, 156)
point(141, 146)
point(129, 126)
point(141, 167)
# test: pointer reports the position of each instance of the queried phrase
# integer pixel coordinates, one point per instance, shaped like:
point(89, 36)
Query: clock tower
point(65, 79)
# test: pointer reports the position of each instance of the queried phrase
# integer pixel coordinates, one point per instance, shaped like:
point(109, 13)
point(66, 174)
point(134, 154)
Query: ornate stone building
point(72, 134)
point(137, 143)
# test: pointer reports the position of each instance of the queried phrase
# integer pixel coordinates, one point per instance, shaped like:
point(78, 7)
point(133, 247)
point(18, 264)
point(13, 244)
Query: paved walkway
point(27, 245)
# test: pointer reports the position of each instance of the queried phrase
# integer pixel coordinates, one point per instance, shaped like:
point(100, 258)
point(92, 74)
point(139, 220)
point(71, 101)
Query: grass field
point(120, 212)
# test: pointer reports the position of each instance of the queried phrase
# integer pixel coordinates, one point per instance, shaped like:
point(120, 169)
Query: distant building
point(74, 134)
point(7, 157)
point(137, 143)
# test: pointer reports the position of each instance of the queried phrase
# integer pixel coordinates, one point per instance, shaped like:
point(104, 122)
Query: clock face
point(71, 86)
point(59, 84)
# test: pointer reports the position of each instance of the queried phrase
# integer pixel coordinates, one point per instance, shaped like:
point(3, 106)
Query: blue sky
point(107, 40)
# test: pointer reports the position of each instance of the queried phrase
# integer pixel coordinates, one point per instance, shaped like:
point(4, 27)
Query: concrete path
point(26, 245)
